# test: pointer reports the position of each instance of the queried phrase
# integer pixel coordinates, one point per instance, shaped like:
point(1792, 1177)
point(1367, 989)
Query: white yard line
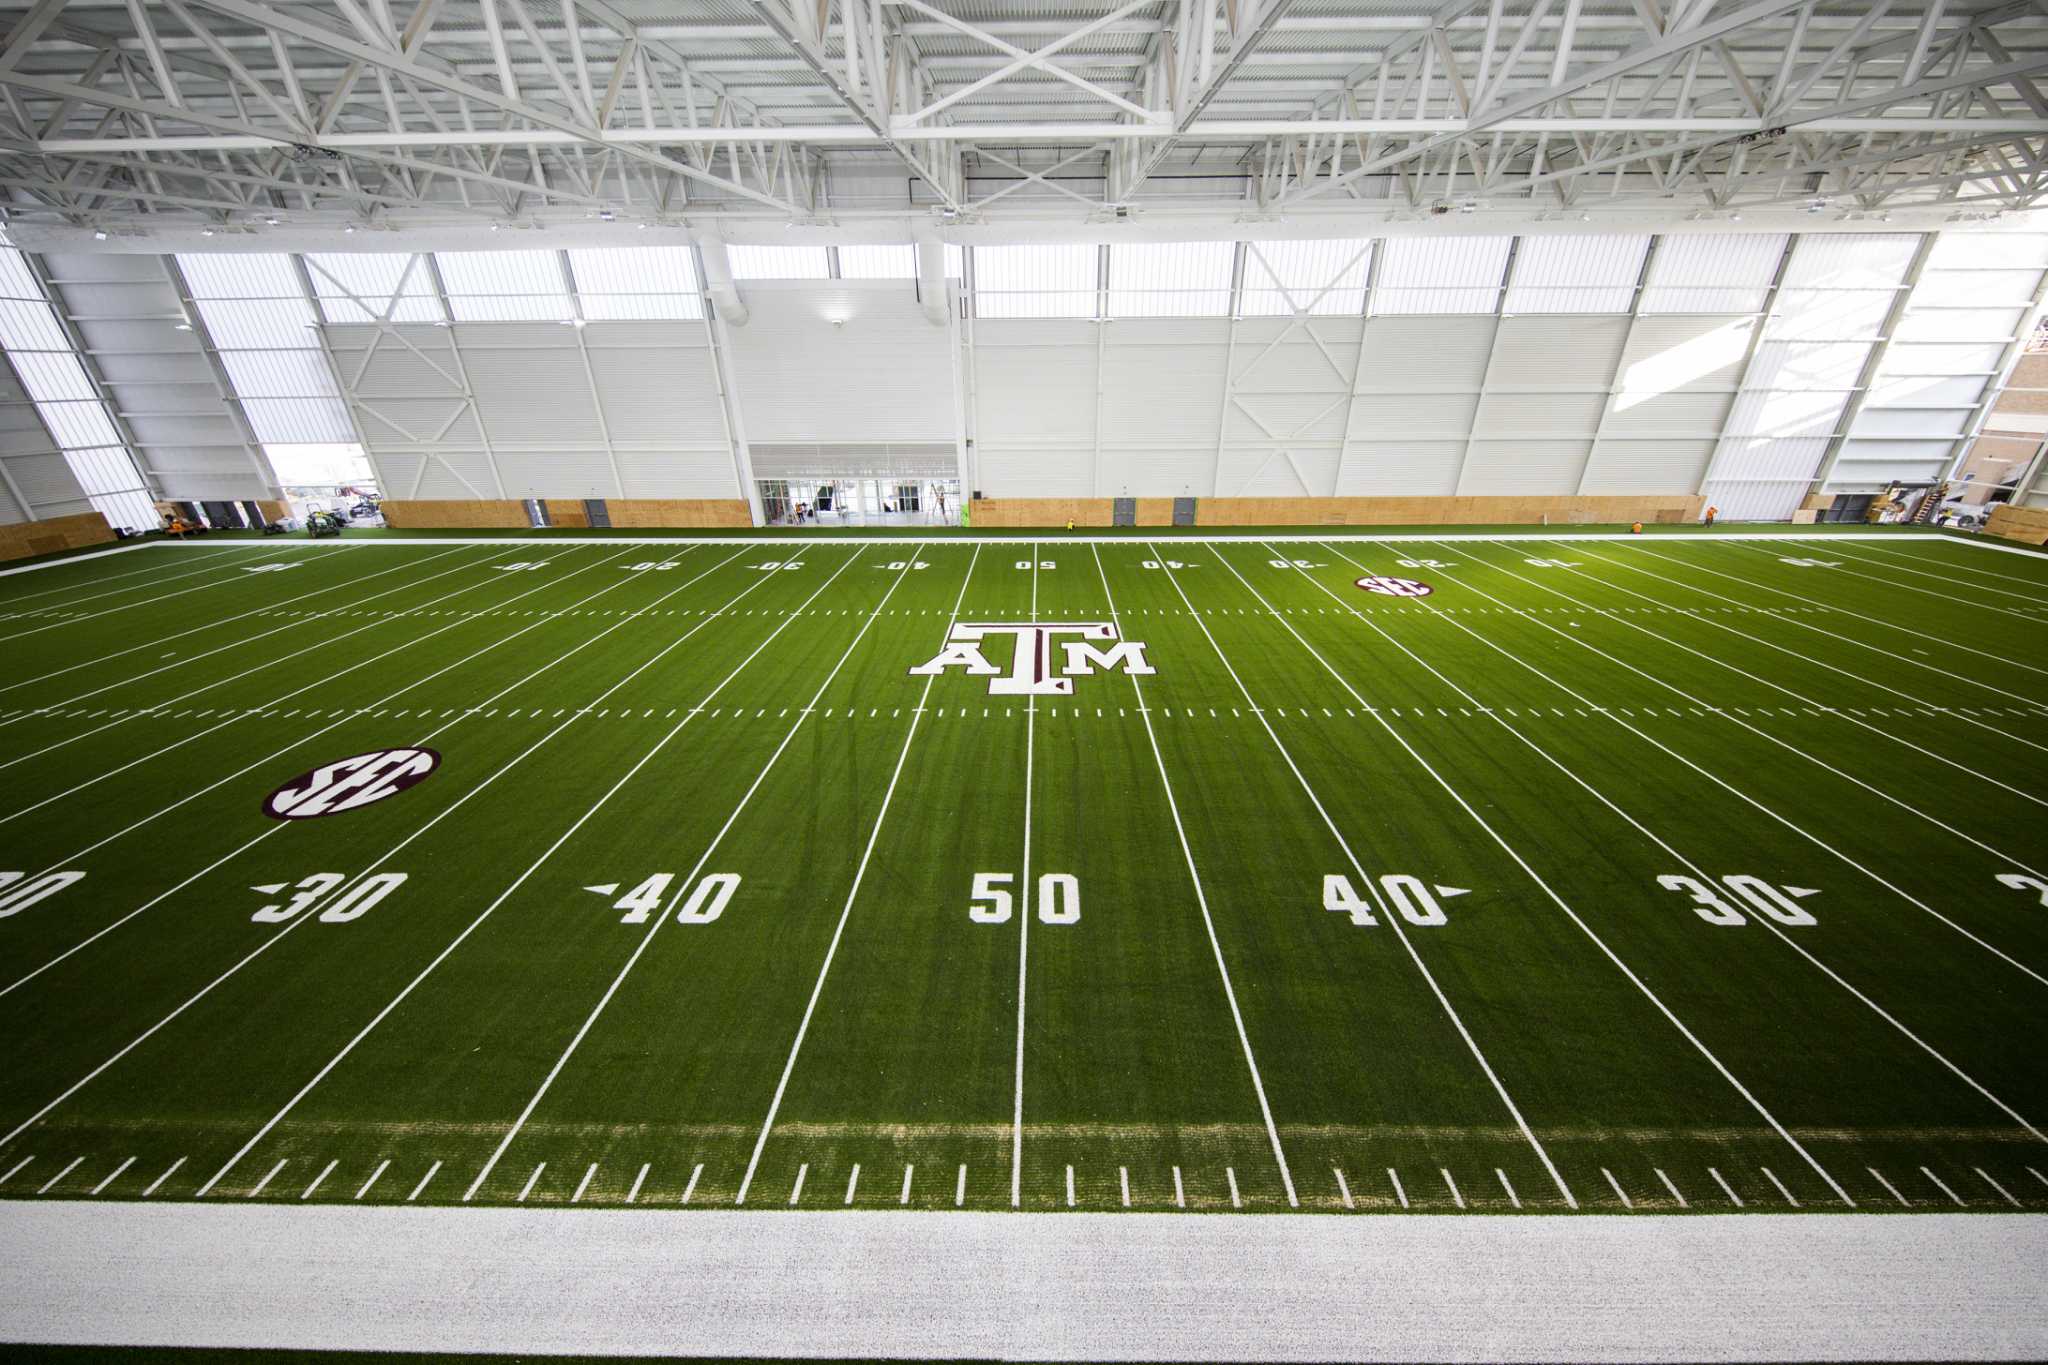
point(1850, 612)
point(1812, 838)
point(1779, 614)
point(2038, 598)
point(9, 608)
point(490, 909)
point(1387, 914)
point(294, 625)
point(227, 581)
point(1493, 713)
point(1024, 923)
point(274, 828)
point(1838, 712)
point(1901, 586)
point(157, 642)
point(2040, 593)
point(845, 912)
point(686, 883)
point(1187, 854)
point(307, 915)
point(318, 645)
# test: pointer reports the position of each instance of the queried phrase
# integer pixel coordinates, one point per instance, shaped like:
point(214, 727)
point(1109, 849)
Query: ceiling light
point(206, 232)
point(184, 326)
point(348, 227)
point(99, 235)
point(605, 215)
point(1734, 217)
point(271, 220)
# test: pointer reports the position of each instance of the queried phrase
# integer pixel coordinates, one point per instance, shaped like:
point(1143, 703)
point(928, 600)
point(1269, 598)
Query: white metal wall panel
point(1576, 274)
point(1323, 278)
point(1400, 469)
point(1712, 272)
point(1418, 354)
point(1850, 260)
point(1161, 471)
point(1668, 414)
point(1440, 274)
point(1393, 416)
point(1033, 380)
point(1539, 414)
point(887, 262)
point(1943, 324)
point(532, 397)
point(883, 373)
point(1553, 354)
point(1624, 466)
point(1293, 470)
point(1160, 394)
point(1005, 471)
point(1170, 279)
point(1523, 468)
point(1689, 351)
point(1965, 250)
point(661, 397)
point(1895, 390)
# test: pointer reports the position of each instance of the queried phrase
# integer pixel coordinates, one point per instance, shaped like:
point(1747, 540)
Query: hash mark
point(162, 1178)
point(1399, 1193)
point(1343, 1188)
point(382, 1166)
point(1454, 1186)
point(432, 1171)
point(1619, 1192)
point(691, 1188)
point(1673, 1188)
point(1729, 1189)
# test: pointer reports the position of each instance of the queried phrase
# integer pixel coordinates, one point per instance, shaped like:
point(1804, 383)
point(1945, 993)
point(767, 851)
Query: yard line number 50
point(1059, 898)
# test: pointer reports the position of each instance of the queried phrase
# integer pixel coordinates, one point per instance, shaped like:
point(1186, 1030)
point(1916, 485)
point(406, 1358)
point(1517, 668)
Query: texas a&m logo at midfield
point(350, 783)
point(1084, 647)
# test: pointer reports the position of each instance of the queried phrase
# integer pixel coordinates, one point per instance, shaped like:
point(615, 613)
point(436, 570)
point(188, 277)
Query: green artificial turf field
point(1686, 873)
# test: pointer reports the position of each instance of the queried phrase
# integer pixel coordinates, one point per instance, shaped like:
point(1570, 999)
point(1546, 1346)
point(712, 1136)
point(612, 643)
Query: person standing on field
point(1711, 513)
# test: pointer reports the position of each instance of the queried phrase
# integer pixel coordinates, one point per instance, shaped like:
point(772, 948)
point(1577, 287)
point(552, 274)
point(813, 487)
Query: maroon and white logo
point(1031, 667)
point(350, 783)
point(1395, 587)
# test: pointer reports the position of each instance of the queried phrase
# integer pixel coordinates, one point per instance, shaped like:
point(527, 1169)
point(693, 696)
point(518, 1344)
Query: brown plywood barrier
point(1048, 512)
point(688, 512)
point(273, 511)
point(566, 512)
point(2027, 525)
point(448, 514)
point(21, 539)
point(1155, 511)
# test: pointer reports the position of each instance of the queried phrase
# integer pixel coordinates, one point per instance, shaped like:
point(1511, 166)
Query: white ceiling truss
point(116, 114)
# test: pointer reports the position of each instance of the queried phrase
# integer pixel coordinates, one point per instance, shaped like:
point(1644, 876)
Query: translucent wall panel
point(392, 286)
point(259, 320)
point(637, 282)
point(887, 262)
point(779, 262)
point(505, 286)
point(1283, 278)
point(1440, 275)
point(1170, 279)
point(1576, 274)
point(56, 380)
point(1713, 273)
point(1047, 281)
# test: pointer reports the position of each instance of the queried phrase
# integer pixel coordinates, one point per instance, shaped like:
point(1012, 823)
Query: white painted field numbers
point(1425, 563)
point(268, 568)
point(901, 565)
point(352, 904)
point(1296, 564)
point(1036, 564)
point(651, 566)
point(1412, 898)
point(1812, 563)
point(1777, 903)
point(1552, 563)
point(774, 565)
point(18, 890)
point(1059, 898)
point(2018, 881)
point(706, 902)
point(1164, 564)
point(521, 565)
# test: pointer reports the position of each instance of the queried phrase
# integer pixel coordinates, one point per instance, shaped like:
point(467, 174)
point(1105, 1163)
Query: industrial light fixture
point(99, 234)
point(348, 227)
point(270, 220)
point(206, 232)
point(605, 215)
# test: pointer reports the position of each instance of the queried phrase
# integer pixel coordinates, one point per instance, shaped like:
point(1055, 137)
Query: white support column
point(305, 279)
point(720, 344)
point(581, 323)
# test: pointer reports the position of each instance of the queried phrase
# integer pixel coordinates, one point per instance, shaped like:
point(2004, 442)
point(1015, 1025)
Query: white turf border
point(1126, 1286)
point(1024, 535)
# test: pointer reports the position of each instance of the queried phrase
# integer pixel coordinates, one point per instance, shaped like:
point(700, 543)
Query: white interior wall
point(35, 481)
point(852, 361)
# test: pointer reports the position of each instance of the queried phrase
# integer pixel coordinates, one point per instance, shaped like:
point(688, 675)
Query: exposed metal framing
point(1995, 384)
point(236, 111)
point(61, 309)
point(1635, 313)
point(1500, 307)
point(1764, 318)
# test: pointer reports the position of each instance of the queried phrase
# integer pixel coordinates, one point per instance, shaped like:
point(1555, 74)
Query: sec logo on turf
point(350, 783)
point(1395, 587)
